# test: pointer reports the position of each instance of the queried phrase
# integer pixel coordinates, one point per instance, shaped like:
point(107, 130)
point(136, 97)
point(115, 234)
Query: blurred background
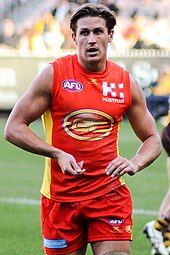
point(32, 33)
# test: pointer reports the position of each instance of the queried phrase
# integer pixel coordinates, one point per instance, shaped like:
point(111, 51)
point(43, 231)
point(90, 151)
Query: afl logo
point(72, 85)
point(88, 124)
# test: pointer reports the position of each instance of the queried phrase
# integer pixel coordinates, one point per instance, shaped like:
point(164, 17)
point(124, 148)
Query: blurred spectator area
point(44, 25)
point(41, 28)
point(158, 100)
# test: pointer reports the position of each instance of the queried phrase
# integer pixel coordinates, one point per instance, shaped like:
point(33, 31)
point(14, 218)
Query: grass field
point(20, 180)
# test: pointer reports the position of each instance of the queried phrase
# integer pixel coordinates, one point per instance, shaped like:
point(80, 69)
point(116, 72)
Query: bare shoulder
point(136, 91)
point(138, 115)
point(138, 107)
point(43, 81)
point(36, 100)
point(46, 75)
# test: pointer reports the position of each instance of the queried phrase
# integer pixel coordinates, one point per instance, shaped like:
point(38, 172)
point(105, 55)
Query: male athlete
point(82, 99)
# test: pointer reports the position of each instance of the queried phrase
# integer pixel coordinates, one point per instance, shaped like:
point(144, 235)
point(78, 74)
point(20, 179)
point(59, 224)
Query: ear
point(111, 36)
point(74, 38)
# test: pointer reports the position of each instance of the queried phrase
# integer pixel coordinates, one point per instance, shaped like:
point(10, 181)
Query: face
point(92, 40)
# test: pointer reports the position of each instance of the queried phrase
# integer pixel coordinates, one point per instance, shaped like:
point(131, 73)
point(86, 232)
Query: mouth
point(92, 51)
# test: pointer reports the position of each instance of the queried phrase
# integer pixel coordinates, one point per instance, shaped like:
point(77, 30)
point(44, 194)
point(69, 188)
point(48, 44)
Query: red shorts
point(66, 227)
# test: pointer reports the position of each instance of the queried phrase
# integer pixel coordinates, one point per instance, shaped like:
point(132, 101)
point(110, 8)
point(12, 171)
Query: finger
point(114, 163)
point(70, 171)
point(81, 163)
point(82, 171)
point(115, 166)
point(76, 166)
point(120, 171)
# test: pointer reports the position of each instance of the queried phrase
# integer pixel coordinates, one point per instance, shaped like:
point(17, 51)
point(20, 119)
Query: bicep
point(138, 115)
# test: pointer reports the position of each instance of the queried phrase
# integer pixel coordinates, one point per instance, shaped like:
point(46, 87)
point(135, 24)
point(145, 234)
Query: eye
point(84, 32)
point(98, 31)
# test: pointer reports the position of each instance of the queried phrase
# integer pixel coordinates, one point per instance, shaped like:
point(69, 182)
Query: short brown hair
point(93, 10)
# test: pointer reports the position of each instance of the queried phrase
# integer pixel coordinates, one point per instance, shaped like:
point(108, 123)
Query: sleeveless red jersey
point(83, 120)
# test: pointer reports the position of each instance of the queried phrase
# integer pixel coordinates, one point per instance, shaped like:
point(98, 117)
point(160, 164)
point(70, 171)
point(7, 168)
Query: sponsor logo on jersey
point(72, 85)
point(93, 81)
point(117, 230)
point(54, 244)
point(88, 124)
point(113, 93)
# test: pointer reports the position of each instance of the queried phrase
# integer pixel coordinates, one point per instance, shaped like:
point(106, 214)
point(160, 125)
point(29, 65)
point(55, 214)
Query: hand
point(69, 165)
point(120, 166)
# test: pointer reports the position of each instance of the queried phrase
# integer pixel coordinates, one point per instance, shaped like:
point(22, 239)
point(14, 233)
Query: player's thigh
point(111, 248)
point(112, 217)
point(63, 230)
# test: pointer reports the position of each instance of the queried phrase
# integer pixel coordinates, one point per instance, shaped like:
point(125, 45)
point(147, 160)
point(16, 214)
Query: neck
point(93, 66)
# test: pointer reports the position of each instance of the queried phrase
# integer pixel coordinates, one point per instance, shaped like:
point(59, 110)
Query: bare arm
point(144, 127)
point(30, 107)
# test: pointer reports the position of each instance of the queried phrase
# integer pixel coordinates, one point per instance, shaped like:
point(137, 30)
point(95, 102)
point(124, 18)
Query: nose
point(92, 38)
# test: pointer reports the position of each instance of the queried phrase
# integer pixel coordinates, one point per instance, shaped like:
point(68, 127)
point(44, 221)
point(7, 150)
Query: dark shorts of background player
point(66, 227)
point(166, 139)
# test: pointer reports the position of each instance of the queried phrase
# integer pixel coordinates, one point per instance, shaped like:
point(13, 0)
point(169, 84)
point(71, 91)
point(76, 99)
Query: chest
point(84, 92)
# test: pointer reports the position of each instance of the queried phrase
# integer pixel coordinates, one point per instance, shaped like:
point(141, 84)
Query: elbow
point(158, 147)
point(9, 133)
